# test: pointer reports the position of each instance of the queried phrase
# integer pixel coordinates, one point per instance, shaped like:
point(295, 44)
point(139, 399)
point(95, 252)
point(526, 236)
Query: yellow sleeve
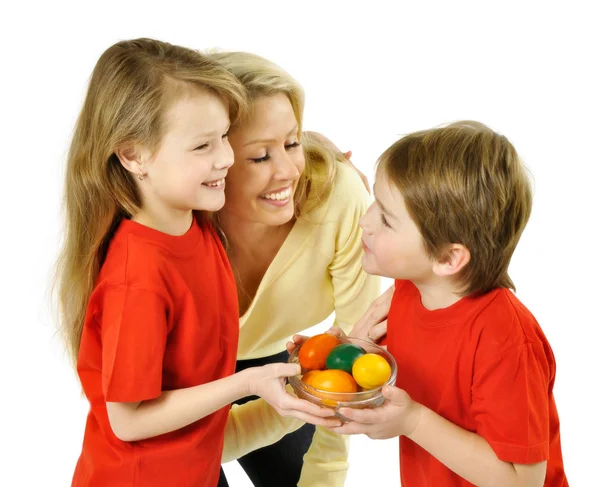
point(353, 289)
point(326, 462)
point(254, 425)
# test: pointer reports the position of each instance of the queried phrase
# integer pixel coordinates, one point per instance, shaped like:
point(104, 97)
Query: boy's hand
point(398, 416)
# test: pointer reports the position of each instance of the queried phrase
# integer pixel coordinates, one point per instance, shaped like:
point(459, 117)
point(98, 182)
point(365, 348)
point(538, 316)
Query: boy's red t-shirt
point(163, 316)
point(484, 364)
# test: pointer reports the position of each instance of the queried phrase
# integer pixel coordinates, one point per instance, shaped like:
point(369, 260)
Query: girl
point(147, 296)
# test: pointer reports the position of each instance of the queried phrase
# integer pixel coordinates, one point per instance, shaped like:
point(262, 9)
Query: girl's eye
point(292, 146)
point(225, 135)
point(264, 158)
point(200, 147)
point(384, 221)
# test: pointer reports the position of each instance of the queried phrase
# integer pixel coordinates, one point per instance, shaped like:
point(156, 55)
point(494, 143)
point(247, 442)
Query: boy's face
point(391, 240)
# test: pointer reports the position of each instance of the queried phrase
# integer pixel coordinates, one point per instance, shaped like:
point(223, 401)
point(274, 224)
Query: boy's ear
point(130, 158)
point(454, 258)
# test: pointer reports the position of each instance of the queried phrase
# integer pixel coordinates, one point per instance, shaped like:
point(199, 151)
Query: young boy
point(473, 402)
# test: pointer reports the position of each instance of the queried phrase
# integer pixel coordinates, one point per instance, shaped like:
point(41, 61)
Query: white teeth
point(281, 196)
point(216, 184)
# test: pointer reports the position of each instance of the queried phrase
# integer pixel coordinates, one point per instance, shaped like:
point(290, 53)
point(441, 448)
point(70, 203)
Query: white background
point(529, 70)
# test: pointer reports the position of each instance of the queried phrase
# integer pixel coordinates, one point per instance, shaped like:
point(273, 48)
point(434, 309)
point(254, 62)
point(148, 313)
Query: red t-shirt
point(163, 316)
point(483, 364)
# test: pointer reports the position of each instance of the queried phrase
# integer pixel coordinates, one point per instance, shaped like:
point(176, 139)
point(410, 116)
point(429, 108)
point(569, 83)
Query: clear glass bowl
point(335, 400)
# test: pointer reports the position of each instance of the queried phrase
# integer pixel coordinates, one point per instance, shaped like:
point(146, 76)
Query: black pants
point(280, 464)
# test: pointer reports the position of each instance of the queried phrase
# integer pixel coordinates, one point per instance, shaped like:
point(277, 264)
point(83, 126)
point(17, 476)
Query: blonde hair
point(465, 184)
point(132, 86)
point(261, 77)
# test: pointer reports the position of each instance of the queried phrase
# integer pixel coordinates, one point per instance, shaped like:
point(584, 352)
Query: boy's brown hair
point(464, 183)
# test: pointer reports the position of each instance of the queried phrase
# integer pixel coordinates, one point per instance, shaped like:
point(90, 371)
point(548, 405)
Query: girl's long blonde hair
point(261, 77)
point(132, 86)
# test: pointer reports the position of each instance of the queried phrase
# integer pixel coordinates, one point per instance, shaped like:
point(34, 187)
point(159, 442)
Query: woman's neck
point(252, 239)
point(251, 248)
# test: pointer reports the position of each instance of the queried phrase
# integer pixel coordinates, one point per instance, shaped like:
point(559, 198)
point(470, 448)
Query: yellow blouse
point(317, 271)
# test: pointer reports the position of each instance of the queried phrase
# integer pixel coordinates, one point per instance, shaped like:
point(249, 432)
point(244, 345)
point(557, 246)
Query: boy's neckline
point(444, 316)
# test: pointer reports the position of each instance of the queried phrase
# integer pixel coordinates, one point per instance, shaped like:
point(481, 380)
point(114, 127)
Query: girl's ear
point(130, 158)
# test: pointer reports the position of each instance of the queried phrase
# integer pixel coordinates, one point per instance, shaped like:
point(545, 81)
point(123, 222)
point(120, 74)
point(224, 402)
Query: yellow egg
point(371, 371)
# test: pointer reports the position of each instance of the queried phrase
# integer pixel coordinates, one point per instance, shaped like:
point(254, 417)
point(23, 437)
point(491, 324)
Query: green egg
point(343, 356)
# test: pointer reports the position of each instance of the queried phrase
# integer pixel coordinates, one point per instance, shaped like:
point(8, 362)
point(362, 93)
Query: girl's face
point(188, 170)
point(268, 163)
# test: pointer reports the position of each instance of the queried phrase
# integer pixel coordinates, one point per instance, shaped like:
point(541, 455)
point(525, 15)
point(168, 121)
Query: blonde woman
point(291, 230)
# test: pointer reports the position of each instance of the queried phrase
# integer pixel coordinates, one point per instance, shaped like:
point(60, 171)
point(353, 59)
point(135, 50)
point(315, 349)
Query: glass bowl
point(335, 400)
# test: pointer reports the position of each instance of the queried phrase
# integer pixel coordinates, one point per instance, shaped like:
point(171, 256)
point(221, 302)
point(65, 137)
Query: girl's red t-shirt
point(163, 316)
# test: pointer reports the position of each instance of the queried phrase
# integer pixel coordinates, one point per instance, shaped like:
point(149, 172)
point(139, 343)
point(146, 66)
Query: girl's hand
point(268, 382)
point(373, 324)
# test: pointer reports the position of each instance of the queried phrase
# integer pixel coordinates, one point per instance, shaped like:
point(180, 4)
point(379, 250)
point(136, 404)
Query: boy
point(473, 402)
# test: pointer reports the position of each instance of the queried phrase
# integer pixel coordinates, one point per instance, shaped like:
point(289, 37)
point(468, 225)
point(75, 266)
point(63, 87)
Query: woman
point(290, 225)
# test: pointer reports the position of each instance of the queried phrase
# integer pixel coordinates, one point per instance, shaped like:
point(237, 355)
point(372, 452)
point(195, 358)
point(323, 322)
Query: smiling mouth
point(219, 183)
point(282, 195)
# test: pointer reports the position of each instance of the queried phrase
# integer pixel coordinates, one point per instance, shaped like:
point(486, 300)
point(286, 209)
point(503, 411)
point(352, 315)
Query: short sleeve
point(134, 332)
point(510, 403)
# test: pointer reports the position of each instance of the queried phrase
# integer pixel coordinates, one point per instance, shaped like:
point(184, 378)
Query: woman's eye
point(200, 147)
point(264, 158)
point(292, 146)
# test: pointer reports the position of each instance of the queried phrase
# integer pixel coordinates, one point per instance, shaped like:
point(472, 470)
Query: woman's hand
point(347, 155)
point(298, 340)
point(325, 142)
point(373, 324)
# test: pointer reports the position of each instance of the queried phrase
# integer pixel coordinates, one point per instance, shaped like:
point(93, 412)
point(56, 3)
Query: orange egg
point(307, 378)
point(334, 381)
point(314, 351)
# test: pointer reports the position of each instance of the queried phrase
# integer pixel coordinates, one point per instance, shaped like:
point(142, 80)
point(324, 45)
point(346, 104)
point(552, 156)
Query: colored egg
point(314, 351)
point(309, 376)
point(334, 381)
point(371, 371)
point(343, 357)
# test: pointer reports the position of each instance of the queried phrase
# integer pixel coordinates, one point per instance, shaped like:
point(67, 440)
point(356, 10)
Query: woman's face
point(268, 163)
